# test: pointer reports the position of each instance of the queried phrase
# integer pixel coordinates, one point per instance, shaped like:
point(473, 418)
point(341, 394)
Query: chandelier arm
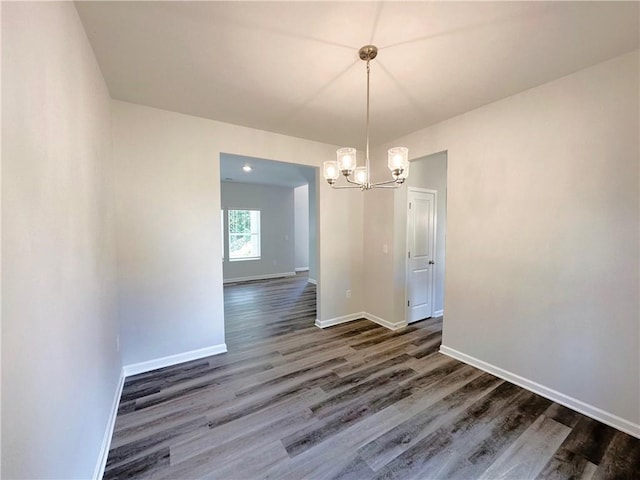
point(377, 185)
point(352, 182)
point(387, 182)
point(341, 187)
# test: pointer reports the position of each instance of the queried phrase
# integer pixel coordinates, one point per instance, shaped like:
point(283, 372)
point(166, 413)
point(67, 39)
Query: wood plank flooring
point(354, 401)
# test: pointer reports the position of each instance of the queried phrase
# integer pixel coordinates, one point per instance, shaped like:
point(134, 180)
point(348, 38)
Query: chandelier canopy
point(346, 164)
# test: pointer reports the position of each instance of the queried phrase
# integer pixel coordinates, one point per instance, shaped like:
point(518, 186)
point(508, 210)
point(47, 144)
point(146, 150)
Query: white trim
point(558, 397)
point(244, 259)
point(98, 472)
point(312, 280)
point(147, 366)
point(134, 369)
point(438, 313)
point(259, 277)
point(339, 320)
point(384, 323)
point(302, 269)
point(357, 316)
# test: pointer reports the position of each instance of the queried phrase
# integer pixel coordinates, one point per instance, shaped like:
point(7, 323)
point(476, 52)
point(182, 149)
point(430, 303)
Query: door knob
point(431, 262)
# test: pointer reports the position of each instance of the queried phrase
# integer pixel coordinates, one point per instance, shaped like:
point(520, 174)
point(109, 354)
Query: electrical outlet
point(118, 342)
point(385, 248)
point(348, 293)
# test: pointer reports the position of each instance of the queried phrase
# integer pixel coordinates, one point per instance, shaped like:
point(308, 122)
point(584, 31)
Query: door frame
point(406, 248)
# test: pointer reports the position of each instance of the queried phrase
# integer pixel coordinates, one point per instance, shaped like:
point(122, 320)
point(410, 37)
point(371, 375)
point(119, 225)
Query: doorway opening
point(426, 215)
point(269, 239)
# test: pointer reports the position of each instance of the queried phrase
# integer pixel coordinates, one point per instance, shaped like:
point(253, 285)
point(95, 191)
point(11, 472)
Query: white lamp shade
point(360, 175)
point(405, 171)
point(346, 159)
point(398, 158)
point(330, 170)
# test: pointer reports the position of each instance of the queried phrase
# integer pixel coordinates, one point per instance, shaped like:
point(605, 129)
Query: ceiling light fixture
point(247, 168)
point(360, 177)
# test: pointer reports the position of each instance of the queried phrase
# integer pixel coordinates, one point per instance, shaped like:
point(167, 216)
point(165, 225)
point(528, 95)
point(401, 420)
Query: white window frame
point(255, 232)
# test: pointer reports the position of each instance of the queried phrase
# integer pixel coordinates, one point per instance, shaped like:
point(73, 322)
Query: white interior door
point(421, 239)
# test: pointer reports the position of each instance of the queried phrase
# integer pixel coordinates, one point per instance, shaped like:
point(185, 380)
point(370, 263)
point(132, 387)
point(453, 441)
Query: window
point(244, 234)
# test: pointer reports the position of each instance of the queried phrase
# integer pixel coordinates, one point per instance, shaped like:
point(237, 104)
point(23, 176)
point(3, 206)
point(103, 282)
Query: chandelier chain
point(367, 146)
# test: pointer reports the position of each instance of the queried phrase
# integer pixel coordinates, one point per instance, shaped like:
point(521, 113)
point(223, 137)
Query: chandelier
point(359, 177)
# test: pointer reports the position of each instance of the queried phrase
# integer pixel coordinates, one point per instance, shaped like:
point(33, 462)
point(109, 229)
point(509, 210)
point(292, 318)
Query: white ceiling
point(292, 67)
point(264, 172)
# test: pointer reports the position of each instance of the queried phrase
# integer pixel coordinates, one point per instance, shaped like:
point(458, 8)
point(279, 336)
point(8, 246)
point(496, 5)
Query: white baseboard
point(383, 322)
point(98, 472)
point(259, 277)
point(339, 320)
point(438, 313)
point(142, 367)
point(358, 316)
point(312, 280)
point(302, 269)
point(558, 397)
point(134, 369)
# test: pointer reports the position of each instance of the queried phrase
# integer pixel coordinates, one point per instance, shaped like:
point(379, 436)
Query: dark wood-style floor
point(357, 401)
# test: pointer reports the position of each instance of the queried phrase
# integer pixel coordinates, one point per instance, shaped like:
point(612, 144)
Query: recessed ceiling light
point(247, 168)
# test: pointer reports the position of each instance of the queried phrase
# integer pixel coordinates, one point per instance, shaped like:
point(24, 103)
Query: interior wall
point(379, 230)
point(431, 172)
point(301, 217)
point(168, 227)
point(60, 360)
point(313, 229)
point(277, 229)
point(542, 236)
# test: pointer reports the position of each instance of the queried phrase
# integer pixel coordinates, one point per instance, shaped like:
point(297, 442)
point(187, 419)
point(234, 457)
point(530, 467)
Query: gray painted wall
point(542, 247)
point(301, 220)
point(431, 172)
point(59, 356)
point(170, 293)
point(277, 228)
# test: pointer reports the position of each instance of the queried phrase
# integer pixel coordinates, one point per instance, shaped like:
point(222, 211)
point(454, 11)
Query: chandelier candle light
point(359, 177)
